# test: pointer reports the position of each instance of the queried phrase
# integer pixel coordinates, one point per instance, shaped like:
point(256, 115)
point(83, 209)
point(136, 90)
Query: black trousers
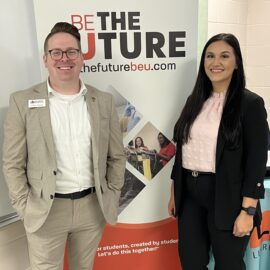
point(198, 233)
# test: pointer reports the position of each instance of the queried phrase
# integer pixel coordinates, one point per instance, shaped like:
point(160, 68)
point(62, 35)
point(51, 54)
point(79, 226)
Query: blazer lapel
point(93, 109)
point(41, 92)
point(220, 145)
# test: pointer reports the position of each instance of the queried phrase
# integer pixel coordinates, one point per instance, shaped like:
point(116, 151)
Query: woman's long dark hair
point(230, 125)
point(166, 140)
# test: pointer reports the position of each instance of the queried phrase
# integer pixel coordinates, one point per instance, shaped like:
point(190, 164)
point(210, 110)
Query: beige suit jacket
point(29, 161)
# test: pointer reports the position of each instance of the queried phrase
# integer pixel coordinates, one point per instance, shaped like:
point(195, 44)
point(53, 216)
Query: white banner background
point(157, 95)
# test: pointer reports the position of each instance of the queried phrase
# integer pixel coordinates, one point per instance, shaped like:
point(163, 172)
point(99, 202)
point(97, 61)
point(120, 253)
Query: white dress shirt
point(71, 130)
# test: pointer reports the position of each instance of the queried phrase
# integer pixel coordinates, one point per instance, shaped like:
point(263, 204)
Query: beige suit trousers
point(80, 223)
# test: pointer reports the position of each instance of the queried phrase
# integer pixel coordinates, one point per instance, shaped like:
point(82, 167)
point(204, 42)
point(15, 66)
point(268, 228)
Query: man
point(63, 158)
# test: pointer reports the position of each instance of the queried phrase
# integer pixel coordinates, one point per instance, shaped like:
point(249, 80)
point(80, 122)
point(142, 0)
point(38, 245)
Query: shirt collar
point(82, 91)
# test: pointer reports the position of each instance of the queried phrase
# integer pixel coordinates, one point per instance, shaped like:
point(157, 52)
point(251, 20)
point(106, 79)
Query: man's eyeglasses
point(57, 54)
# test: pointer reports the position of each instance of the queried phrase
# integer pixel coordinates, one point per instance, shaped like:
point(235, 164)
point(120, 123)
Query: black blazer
point(239, 172)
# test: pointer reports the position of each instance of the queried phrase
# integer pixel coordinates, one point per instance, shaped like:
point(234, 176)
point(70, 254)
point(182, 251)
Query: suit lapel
point(93, 109)
point(220, 144)
point(41, 92)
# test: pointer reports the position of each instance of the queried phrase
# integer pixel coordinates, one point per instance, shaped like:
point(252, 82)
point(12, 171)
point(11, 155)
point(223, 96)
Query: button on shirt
point(72, 138)
point(199, 153)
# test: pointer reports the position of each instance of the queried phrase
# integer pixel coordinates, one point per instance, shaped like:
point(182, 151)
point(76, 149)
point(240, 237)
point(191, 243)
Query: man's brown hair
point(63, 27)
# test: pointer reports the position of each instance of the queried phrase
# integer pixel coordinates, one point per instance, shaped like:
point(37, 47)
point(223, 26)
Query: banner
point(144, 53)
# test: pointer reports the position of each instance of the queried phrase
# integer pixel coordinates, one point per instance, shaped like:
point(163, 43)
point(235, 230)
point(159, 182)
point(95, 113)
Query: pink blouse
point(199, 153)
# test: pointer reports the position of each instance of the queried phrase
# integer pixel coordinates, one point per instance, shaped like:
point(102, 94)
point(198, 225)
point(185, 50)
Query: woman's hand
point(243, 224)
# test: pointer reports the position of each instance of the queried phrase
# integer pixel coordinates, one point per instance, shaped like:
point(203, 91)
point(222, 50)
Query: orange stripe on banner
point(66, 259)
point(151, 246)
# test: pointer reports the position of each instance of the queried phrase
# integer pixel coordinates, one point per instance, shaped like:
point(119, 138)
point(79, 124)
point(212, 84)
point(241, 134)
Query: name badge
point(36, 103)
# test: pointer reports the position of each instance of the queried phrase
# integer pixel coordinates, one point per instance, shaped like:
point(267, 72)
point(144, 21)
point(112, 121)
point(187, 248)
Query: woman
point(167, 149)
point(139, 144)
point(220, 161)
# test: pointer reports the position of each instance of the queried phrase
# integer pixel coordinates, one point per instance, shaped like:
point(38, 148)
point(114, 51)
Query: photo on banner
point(149, 151)
point(129, 117)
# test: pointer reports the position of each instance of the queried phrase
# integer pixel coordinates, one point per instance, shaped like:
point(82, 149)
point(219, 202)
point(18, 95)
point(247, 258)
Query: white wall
point(19, 69)
point(228, 16)
point(19, 64)
point(249, 21)
point(258, 49)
